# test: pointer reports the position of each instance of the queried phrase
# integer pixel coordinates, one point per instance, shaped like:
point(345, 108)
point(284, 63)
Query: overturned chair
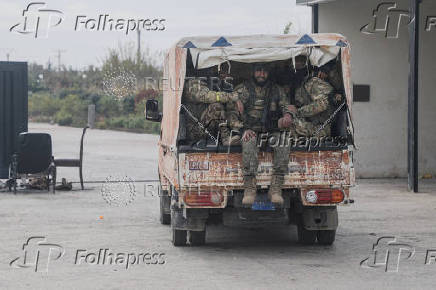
point(74, 162)
point(33, 159)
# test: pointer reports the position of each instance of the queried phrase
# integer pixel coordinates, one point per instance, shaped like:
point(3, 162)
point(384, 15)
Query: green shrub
point(108, 106)
point(42, 104)
point(72, 110)
point(64, 119)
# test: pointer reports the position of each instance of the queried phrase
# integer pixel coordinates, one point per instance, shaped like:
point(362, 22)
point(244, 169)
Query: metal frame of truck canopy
point(210, 51)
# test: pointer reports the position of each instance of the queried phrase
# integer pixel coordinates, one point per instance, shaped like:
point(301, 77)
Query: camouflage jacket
point(333, 75)
point(257, 116)
point(335, 79)
point(197, 96)
point(312, 102)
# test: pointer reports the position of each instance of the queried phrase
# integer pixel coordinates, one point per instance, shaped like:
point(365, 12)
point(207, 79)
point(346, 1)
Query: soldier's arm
point(199, 92)
point(319, 91)
point(335, 79)
point(243, 96)
point(284, 102)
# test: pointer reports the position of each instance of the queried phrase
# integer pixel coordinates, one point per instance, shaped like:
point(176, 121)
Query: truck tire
point(326, 237)
point(197, 238)
point(179, 238)
point(305, 237)
point(165, 217)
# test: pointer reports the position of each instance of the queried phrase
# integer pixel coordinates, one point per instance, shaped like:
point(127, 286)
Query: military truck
point(203, 184)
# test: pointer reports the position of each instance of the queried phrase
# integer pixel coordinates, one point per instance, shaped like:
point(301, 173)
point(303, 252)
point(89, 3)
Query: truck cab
point(202, 182)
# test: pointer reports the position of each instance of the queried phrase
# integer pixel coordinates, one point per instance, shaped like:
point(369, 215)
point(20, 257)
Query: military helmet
point(224, 67)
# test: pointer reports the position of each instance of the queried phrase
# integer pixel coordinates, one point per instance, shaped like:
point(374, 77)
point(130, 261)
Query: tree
point(287, 28)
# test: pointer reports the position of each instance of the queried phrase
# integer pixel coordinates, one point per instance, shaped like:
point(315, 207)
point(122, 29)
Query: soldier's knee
point(249, 145)
point(216, 107)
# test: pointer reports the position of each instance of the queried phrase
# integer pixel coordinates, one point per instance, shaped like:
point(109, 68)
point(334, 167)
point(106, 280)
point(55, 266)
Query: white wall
point(381, 124)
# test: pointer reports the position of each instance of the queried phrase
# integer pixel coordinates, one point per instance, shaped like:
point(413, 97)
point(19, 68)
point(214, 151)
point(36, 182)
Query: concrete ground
point(82, 223)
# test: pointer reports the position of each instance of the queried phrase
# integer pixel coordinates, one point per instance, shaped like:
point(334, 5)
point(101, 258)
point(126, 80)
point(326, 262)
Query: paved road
point(81, 222)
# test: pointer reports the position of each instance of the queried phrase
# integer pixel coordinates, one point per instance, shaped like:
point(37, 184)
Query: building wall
point(381, 124)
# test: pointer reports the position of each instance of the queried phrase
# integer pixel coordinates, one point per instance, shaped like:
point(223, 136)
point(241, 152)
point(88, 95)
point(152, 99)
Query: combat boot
point(235, 139)
point(249, 190)
point(275, 190)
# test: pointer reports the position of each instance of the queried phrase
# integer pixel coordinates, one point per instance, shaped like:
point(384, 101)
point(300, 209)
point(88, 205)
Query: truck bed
point(305, 169)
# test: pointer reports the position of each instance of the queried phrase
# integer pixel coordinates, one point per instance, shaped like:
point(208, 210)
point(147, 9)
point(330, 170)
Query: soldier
point(313, 106)
point(215, 111)
point(330, 72)
point(264, 107)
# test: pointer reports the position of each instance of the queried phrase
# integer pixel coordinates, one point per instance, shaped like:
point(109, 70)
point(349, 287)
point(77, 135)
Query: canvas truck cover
point(213, 50)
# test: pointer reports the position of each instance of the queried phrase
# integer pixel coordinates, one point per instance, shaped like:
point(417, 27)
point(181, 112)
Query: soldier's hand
point(234, 97)
point(248, 135)
point(292, 108)
point(322, 75)
point(227, 97)
point(285, 122)
point(338, 98)
point(240, 107)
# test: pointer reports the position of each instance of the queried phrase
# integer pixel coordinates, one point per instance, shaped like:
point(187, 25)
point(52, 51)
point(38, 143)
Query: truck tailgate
point(318, 168)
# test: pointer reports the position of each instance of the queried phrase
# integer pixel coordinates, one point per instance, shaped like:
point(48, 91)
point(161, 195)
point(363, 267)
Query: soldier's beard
point(260, 81)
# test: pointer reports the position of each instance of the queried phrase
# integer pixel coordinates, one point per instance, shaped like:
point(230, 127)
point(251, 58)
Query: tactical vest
point(262, 112)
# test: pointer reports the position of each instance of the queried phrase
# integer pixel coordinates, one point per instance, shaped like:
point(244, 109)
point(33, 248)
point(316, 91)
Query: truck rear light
point(337, 195)
point(204, 198)
point(323, 196)
point(311, 196)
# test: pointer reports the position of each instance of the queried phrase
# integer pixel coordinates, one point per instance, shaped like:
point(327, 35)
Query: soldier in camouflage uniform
point(313, 106)
point(264, 106)
point(215, 110)
point(331, 73)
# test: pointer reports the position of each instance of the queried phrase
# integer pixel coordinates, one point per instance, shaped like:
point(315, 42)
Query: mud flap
point(189, 219)
point(165, 202)
point(320, 218)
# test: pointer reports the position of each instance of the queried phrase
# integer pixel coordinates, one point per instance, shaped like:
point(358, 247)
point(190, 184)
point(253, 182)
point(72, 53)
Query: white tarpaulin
point(213, 50)
point(318, 56)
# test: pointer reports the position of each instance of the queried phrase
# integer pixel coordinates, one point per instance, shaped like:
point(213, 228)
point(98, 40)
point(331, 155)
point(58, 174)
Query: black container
point(13, 110)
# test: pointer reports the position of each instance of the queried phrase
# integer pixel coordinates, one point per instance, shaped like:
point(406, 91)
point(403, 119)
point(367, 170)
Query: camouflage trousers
point(214, 116)
point(250, 156)
point(301, 127)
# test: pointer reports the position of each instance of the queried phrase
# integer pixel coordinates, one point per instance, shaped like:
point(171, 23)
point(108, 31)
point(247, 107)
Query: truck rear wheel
point(197, 238)
point(179, 237)
point(305, 236)
point(326, 237)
